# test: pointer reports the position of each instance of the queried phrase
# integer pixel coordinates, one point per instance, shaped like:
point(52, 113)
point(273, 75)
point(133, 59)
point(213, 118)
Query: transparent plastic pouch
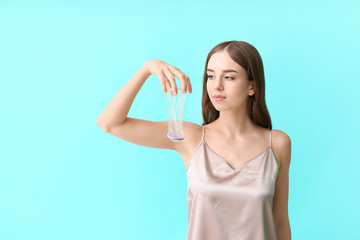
point(175, 105)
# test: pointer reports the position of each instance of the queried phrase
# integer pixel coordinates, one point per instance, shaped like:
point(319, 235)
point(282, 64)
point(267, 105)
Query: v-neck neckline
point(242, 164)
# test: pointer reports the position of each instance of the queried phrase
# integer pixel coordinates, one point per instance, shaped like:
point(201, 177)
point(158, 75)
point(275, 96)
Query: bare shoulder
point(281, 144)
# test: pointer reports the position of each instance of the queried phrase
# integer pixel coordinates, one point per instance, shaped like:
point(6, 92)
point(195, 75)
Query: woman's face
point(226, 77)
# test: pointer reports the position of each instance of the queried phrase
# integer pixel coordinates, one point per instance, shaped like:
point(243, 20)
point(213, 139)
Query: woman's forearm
point(117, 110)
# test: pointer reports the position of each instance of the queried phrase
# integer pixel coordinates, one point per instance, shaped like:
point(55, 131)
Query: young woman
point(237, 166)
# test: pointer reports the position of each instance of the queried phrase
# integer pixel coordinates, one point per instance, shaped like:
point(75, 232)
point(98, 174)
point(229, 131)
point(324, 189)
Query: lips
point(219, 98)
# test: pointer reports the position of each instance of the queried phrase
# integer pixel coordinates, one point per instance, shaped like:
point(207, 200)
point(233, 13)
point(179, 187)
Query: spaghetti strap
point(202, 139)
point(270, 138)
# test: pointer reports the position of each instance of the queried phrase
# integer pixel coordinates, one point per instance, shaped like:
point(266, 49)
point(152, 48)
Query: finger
point(187, 80)
point(183, 78)
point(168, 85)
point(172, 81)
point(190, 87)
point(163, 86)
point(163, 81)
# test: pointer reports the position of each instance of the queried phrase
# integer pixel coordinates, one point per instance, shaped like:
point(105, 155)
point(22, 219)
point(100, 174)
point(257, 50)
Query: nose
point(218, 85)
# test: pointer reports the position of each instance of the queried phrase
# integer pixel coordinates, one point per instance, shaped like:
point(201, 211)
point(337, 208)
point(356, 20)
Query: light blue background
point(61, 62)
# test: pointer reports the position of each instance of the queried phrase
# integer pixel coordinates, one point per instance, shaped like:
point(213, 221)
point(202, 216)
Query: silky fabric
point(227, 203)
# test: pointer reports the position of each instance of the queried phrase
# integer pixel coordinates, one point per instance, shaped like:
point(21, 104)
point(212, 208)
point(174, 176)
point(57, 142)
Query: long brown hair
point(249, 58)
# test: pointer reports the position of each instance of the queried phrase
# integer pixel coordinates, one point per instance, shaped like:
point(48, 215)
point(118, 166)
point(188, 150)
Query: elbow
point(102, 126)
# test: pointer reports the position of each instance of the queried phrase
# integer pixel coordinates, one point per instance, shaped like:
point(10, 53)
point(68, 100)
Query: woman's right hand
point(166, 73)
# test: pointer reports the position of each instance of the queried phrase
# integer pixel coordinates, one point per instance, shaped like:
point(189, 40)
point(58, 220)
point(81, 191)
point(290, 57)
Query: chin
point(220, 108)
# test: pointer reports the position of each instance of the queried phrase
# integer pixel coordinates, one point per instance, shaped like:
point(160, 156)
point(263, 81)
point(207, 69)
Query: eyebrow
point(227, 70)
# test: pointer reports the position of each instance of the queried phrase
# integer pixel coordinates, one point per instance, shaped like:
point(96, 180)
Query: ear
point(252, 89)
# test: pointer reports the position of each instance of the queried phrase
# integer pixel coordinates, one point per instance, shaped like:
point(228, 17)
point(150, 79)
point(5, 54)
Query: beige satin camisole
point(227, 203)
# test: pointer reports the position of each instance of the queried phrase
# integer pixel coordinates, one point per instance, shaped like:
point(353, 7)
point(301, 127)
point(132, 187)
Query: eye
point(225, 77)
